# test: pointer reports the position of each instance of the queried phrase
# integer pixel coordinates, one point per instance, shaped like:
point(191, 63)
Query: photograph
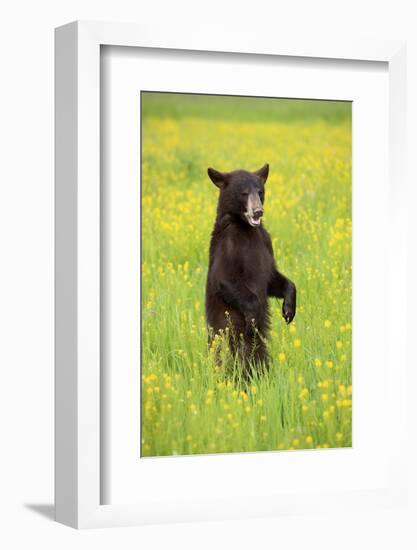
point(245, 275)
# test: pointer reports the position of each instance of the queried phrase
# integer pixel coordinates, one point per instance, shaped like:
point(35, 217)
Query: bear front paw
point(288, 312)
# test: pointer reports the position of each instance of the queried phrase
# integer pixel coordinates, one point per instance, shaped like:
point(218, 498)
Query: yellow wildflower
point(303, 393)
point(244, 395)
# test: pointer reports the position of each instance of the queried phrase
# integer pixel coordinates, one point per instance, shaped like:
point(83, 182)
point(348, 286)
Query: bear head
point(242, 193)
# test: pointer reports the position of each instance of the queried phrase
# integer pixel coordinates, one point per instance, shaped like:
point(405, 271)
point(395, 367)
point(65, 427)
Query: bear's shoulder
point(266, 237)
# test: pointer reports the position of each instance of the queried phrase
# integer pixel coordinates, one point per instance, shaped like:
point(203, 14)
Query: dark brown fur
point(242, 273)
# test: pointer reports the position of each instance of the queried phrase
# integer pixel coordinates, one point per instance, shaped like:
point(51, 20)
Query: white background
point(26, 273)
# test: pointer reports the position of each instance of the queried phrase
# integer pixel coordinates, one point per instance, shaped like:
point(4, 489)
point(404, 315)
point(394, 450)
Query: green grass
point(188, 404)
point(243, 109)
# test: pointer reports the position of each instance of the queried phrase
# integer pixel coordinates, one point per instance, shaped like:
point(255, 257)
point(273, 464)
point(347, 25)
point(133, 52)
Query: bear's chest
point(255, 261)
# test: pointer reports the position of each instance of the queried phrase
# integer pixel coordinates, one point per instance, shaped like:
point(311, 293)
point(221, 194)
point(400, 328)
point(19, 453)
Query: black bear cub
point(242, 273)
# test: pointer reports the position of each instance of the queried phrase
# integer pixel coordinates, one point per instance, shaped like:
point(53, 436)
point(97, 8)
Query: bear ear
point(218, 178)
point(263, 172)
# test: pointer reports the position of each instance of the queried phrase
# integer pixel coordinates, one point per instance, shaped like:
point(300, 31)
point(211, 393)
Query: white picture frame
point(78, 426)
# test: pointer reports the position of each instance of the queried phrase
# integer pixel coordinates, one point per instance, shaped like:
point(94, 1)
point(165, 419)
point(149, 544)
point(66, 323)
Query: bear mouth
point(252, 221)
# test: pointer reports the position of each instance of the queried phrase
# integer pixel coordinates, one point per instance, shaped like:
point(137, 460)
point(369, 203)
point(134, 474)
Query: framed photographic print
point(227, 220)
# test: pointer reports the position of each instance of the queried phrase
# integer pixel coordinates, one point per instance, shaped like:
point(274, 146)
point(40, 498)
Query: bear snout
point(258, 213)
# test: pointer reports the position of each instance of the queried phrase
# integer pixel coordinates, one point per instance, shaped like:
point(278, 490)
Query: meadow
point(189, 404)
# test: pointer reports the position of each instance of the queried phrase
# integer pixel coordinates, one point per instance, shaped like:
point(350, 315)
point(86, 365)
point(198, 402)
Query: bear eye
point(244, 193)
